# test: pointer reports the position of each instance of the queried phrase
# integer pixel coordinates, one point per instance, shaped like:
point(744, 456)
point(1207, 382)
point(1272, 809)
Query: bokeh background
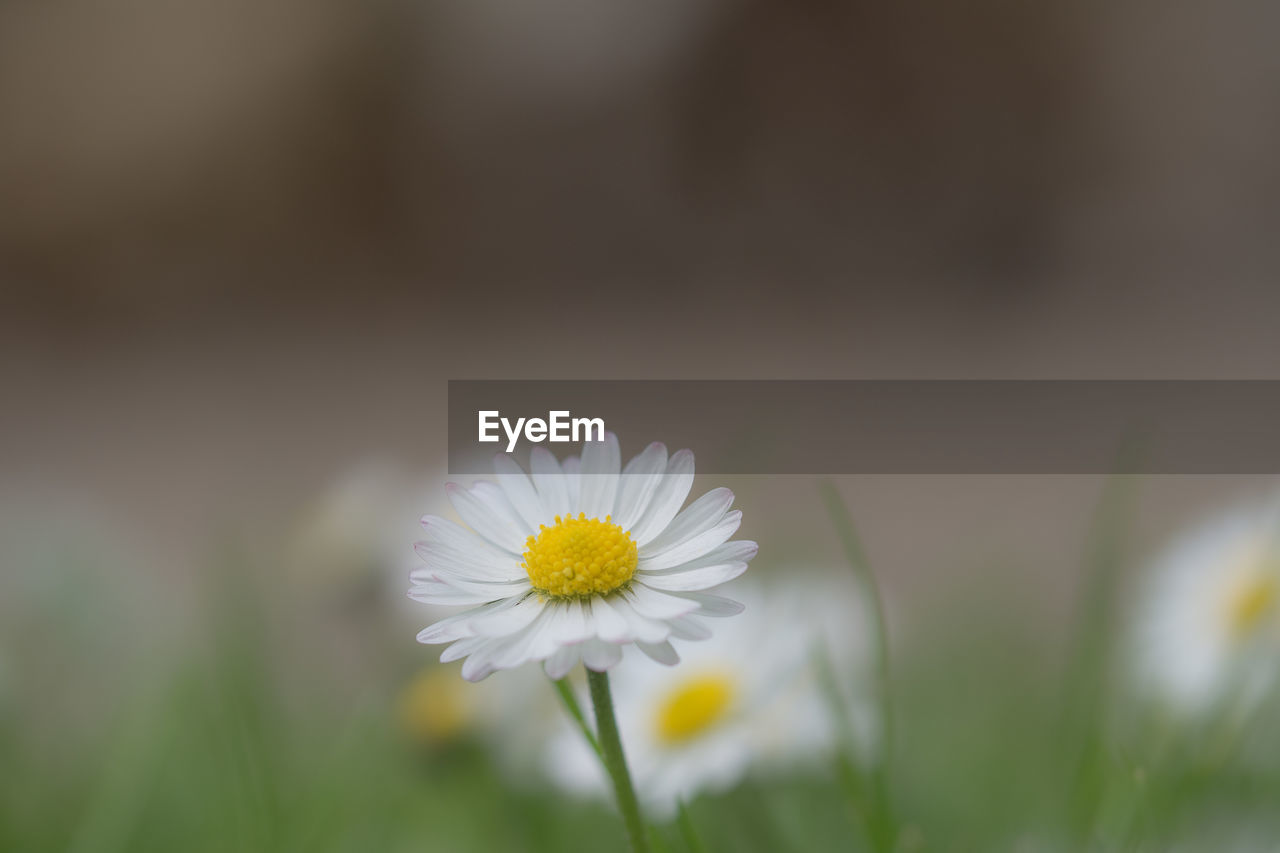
point(243, 246)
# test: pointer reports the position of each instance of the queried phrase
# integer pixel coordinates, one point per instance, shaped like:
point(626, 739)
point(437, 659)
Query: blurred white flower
point(357, 527)
point(1208, 633)
point(578, 562)
point(752, 697)
point(353, 540)
point(345, 558)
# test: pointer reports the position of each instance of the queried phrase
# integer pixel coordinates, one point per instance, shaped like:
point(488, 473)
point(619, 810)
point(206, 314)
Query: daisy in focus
point(577, 560)
point(751, 698)
point(1211, 632)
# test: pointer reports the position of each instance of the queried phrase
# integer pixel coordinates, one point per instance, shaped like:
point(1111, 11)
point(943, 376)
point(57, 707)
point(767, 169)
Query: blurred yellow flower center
point(435, 707)
point(1253, 603)
point(693, 707)
point(580, 557)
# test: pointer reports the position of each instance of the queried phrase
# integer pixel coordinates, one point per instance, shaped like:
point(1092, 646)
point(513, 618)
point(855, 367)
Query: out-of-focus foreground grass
point(270, 722)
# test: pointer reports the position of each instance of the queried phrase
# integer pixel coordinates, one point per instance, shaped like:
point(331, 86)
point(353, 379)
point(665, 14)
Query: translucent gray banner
point(884, 426)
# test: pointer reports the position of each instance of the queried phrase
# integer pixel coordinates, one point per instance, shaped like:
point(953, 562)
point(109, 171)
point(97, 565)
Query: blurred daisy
point(579, 561)
point(1211, 630)
point(353, 532)
point(752, 697)
point(511, 717)
point(435, 708)
point(344, 558)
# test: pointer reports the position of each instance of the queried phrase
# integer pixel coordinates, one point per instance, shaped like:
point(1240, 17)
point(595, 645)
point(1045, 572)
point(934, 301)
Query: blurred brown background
point(242, 245)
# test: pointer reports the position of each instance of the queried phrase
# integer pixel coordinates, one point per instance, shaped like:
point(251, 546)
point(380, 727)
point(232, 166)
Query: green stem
point(881, 822)
point(846, 766)
point(659, 843)
point(565, 691)
point(615, 762)
point(687, 829)
point(1087, 689)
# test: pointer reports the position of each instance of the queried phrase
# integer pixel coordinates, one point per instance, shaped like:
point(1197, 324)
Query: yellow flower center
point(435, 706)
point(1252, 603)
point(580, 557)
point(700, 703)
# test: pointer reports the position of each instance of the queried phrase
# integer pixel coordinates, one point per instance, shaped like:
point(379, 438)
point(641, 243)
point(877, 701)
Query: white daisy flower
point(752, 697)
point(1211, 631)
point(578, 561)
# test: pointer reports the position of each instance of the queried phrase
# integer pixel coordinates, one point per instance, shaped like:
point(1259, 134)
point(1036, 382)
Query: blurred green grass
point(249, 739)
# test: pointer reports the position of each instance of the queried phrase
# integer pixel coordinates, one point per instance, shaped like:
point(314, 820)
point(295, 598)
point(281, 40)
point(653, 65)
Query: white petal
point(638, 481)
point(495, 498)
point(714, 605)
point(458, 538)
point(689, 628)
point(527, 644)
point(433, 591)
point(610, 625)
point(694, 547)
point(573, 626)
point(668, 496)
point(658, 605)
point(693, 580)
point(558, 665)
point(478, 666)
point(662, 652)
point(551, 482)
point(482, 516)
point(600, 463)
point(600, 656)
point(486, 590)
point(457, 626)
point(462, 648)
point(573, 482)
point(545, 642)
point(503, 622)
point(642, 628)
point(444, 631)
point(738, 551)
point(520, 492)
point(692, 520)
point(444, 559)
point(531, 643)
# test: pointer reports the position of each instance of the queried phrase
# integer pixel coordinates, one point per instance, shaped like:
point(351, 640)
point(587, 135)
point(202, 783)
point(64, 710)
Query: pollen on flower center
point(580, 557)
point(1253, 603)
point(693, 707)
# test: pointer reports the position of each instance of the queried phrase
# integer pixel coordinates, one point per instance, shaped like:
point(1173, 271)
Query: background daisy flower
point(351, 534)
point(749, 698)
point(1209, 629)
point(509, 717)
point(578, 560)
